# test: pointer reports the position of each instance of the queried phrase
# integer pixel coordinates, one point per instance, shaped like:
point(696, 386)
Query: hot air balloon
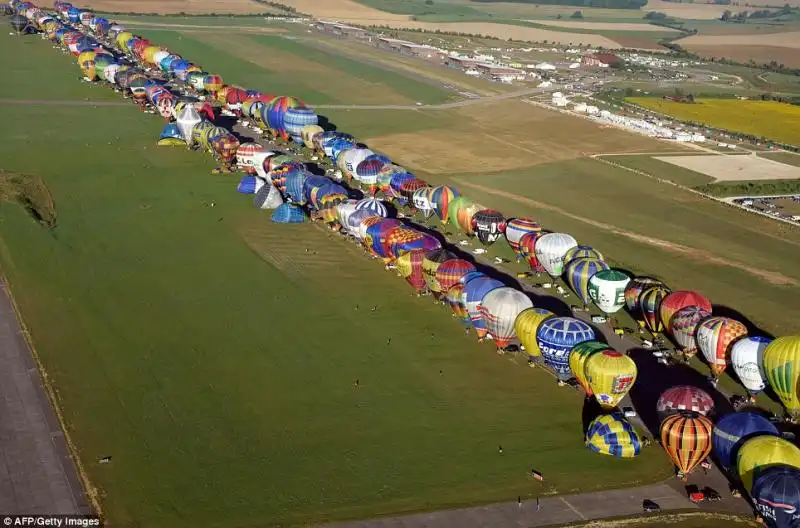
point(551, 249)
point(607, 289)
point(450, 272)
point(249, 184)
point(747, 359)
point(455, 298)
point(686, 437)
point(782, 365)
point(405, 239)
point(733, 430)
point(343, 212)
point(422, 202)
point(374, 206)
point(527, 250)
point(577, 361)
point(684, 398)
point(681, 299)
point(296, 118)
point(527, 325)
point(488, 226)
point(348, 160)
point(762, 452)
point(409, 265)
point(611, 434)
point(577, 275)
point(275, 114)
point(715, 337)
point(683, 327)
point(516, 228)
point(610, 376)
point(245, 154)
point(366, 172)
point(650, 304)
point(581, 252)
point(268, 197)
point(186, 120)
point(634, 290)
point(440, 198)
point(500, 308)
point(431, 264)
point(556, 337)
point(776, 496)
point(474, 292)
point(288, 214)
point(463, 214)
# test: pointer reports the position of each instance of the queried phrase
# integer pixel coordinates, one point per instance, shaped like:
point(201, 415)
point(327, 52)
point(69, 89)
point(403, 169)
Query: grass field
point(776, 121)
point(784, 157)
point(675, 520)
point(278, 65)
point(207, 348)
point(177, 6)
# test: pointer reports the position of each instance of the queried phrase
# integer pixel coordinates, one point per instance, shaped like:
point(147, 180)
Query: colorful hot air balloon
point(611, 434)
point(527, 250)
point(782, 365)
point(634, 290)
point(367, 171)
point(650, 304)
point(610, 376)
point(500, 308)
point(376, 236)
point(715, 337)
point(296, 118)
point(431, 264)
point(578, 272)
point(516, 228)
point(374, 206)
point(607, 289)
point(349, 159)
point(686, 437)
point(684, 398)
point(581, 252)
point(577, 361)
point(488, 225)
point(450, 272)
point(551, 249)
point(527, 325)
point(747, 359)
point(734, 429)
point(455, 298)
point(440, 200)
point(557, 337)
point(683, 327)
point(474, 292)
point(409, 265)
point(681, 299)
point(275, 114)
point(245, 156)
point(421, 201)
point(762, 452)
point(776, 496)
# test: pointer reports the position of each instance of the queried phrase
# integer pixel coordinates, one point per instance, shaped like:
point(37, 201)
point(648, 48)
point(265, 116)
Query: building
point(500, 73)
point(599, 60)
point(411, 49)
point(461, 63)
point(342, 30)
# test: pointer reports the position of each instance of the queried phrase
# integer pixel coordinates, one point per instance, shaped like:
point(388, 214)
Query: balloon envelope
point(683, 327)
point(474, 292)
point(551, 249)
point(650, 304)
point(578, 272)
point(782, 365)
point(556, 338)
point(761, 452)
point(686, 437)
point(678, 300)
point(747, 359)
point(611, 434)
point(577, 361)
point(607, 290)
point(715, 337)
point(733, 429)
point(581, 252)
point(500, 308)
point(517, 228)
point(610, 375)
point(527, 326)
point(776, 495)
point(684, 398)
point(634, 290)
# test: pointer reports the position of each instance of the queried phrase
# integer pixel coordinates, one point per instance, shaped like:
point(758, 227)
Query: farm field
point(784, 157)
point(605, 26)
point(757, 53)
point(661, 169)
point(276, 64)
point(773, 120)
point(177, 6)
point(177, 336)
point(735, 167)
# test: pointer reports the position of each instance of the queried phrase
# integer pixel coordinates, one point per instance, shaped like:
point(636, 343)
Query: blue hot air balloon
point(733, 429)
point(375, 206)
point(288, 214)
point(776, 496)
point(339, 146)
point(474, 292)
point(171, 131)
point(296, 118)
point(556, 337)
point(247, 185)
point(295, 185)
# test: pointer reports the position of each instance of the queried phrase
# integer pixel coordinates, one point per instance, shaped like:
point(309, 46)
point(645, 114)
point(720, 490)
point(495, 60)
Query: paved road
point(551, 511)
point(36, 472)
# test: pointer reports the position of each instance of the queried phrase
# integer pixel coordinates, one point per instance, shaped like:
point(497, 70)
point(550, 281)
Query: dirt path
point(672, 247)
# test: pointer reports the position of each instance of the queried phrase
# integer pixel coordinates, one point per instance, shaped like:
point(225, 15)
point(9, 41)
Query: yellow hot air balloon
point(122, 40)
point(308, 132)
point(610, 376)
point(577, 361)
point(86, 56)
point(762, 452)
point(526, 326)
point(148, 53)
point(782, 367)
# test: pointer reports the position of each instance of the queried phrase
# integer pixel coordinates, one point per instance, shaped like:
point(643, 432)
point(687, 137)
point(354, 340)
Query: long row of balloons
point(565, 344)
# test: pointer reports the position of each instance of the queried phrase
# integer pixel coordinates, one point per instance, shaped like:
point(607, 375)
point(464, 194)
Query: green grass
point(603, 205)
point(198, 20)
point(662, 169)
point(784, 157)
point(219, 374)
point(751, 188)
point(419, 7)
point(372, 123)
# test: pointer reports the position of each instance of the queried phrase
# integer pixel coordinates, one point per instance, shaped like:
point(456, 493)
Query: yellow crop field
point(769, 119)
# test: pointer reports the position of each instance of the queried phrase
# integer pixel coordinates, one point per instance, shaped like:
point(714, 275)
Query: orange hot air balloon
point(686, 437)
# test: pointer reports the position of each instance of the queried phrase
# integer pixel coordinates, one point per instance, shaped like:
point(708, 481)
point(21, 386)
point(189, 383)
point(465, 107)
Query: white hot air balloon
point(607, 289)
point(422, 202)
point(267, 197)
point(747, 359)
point(551, 249)
point(344, 210)
point(351, 158)
point(500, 308)
point(186, 120)
point(258, 160)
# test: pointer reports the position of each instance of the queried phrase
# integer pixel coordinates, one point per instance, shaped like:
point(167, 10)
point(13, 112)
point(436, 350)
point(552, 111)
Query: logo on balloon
point(622, 383)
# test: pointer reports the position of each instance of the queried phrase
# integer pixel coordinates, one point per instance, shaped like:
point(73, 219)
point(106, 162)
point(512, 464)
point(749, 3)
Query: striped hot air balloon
point(516, 228)
point(578, 252)
point(450, 272)
point(296, 118)
point(245, 155)
point(684, 398)
point(715, 336)
point(433, 259)
point(577, 361)
point(650, 304)
point(474, 292)
point(579, 271)
point(409, 265)
point(686, 437)
point(500, 308)
point(374, 206)
point(441, 197)
point(276, 114)
point(782, 367)
point(683, 328)
point(681, 299)
point(611, 434)
point(634, 290)
point(455, 298)
point(527, 250)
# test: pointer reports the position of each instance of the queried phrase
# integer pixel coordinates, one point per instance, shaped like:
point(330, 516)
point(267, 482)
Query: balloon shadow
point(660, 377)
point(752, 329)
point(324, 123)
point(591, 410)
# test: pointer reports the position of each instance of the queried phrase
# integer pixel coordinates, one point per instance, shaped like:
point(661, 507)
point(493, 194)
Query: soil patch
point(735, 168)
point(30, 192)
point(605, 26)
point(698, 255)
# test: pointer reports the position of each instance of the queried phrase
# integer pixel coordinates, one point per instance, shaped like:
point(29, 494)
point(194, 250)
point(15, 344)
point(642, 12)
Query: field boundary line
point(599, 157)
point(89, 489)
